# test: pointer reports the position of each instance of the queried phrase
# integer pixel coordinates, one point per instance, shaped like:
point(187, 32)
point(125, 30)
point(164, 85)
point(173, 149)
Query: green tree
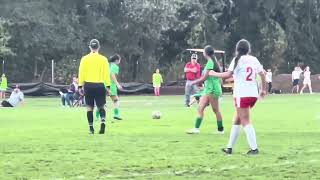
point(4, 39)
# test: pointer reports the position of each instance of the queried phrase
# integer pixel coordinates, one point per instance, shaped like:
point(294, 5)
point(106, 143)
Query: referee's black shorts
point(95, 92)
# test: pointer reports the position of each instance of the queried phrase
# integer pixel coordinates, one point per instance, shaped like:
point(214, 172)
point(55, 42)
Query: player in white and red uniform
point(244, 69)
point(307, 80)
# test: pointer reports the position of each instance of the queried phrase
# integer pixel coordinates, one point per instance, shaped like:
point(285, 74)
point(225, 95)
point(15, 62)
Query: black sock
point(90, 117)
point(102, 115)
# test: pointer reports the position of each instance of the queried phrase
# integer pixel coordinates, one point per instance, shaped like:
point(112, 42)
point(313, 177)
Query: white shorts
point(306, 81)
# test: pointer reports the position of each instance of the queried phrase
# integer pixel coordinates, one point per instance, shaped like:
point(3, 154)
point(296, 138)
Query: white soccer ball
point(156, 115)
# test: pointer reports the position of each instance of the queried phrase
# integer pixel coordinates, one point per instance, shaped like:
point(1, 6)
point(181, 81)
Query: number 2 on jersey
point(249, 72)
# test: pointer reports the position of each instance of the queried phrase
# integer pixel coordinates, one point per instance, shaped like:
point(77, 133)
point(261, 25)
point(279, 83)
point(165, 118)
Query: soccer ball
point(156, 115)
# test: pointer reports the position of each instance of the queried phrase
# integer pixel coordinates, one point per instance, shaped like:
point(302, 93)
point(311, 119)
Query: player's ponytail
point(242, 48)
point(114, 58)
point(210, 52)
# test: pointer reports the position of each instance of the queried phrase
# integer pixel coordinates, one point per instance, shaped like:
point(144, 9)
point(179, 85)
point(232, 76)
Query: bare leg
point(310, 88)
point(292, 90)
point(215, 107)
point(202, 105)
point(155, 91)
point(304, 86)
point(116, 110)
point(244, 114)
point(204, 100)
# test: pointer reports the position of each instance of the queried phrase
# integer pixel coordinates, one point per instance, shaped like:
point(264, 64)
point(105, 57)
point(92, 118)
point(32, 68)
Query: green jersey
point(213, 84)
point(114, 69)
point(4, 83)
point(157, 80)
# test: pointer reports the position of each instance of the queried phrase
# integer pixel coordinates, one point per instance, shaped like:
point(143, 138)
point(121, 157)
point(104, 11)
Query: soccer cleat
point(102, 128)
point(91, 130)
point(227, 150)
point(253, 152)
point(187, 105)
point(117, 118)
point(193, 131)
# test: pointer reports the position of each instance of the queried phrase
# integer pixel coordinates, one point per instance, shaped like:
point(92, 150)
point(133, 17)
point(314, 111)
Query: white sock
point(235, 130)
point(251, 136)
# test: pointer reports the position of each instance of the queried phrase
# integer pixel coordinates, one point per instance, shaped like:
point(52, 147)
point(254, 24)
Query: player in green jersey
point(156, 81)
point(211, 92)
point(115, 85)
point(3, 86)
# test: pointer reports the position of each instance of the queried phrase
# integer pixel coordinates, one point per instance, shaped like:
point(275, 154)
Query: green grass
point(42, 140)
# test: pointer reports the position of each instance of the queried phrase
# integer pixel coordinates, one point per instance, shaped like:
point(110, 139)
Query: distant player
point(211, 93)
point(94, 76)
point(157, 81)
point(295, 78)
point(115, 60)
point(307, 80)
point(269, 80)
point(244, 69)
point(3, 86)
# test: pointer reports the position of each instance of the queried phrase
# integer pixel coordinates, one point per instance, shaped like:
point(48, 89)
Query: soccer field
point(43, 140)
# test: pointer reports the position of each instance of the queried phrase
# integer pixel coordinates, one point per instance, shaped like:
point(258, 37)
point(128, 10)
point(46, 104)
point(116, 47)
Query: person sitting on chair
point(80, 100)
point(15, 99)
point(74, 88)
point(66, 96)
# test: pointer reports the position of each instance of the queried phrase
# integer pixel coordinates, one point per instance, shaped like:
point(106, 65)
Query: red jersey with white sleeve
point(244, 75)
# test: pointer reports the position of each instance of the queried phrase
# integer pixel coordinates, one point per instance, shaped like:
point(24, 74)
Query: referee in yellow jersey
point(94, 77)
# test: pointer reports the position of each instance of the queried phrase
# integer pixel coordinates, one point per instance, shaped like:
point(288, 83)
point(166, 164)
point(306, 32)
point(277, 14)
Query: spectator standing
point(192, 72)
point(269, 80)
point(295, 76)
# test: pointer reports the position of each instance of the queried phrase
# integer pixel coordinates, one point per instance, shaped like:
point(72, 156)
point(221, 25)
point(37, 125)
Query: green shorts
point(215, 94)
point(114, 90)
